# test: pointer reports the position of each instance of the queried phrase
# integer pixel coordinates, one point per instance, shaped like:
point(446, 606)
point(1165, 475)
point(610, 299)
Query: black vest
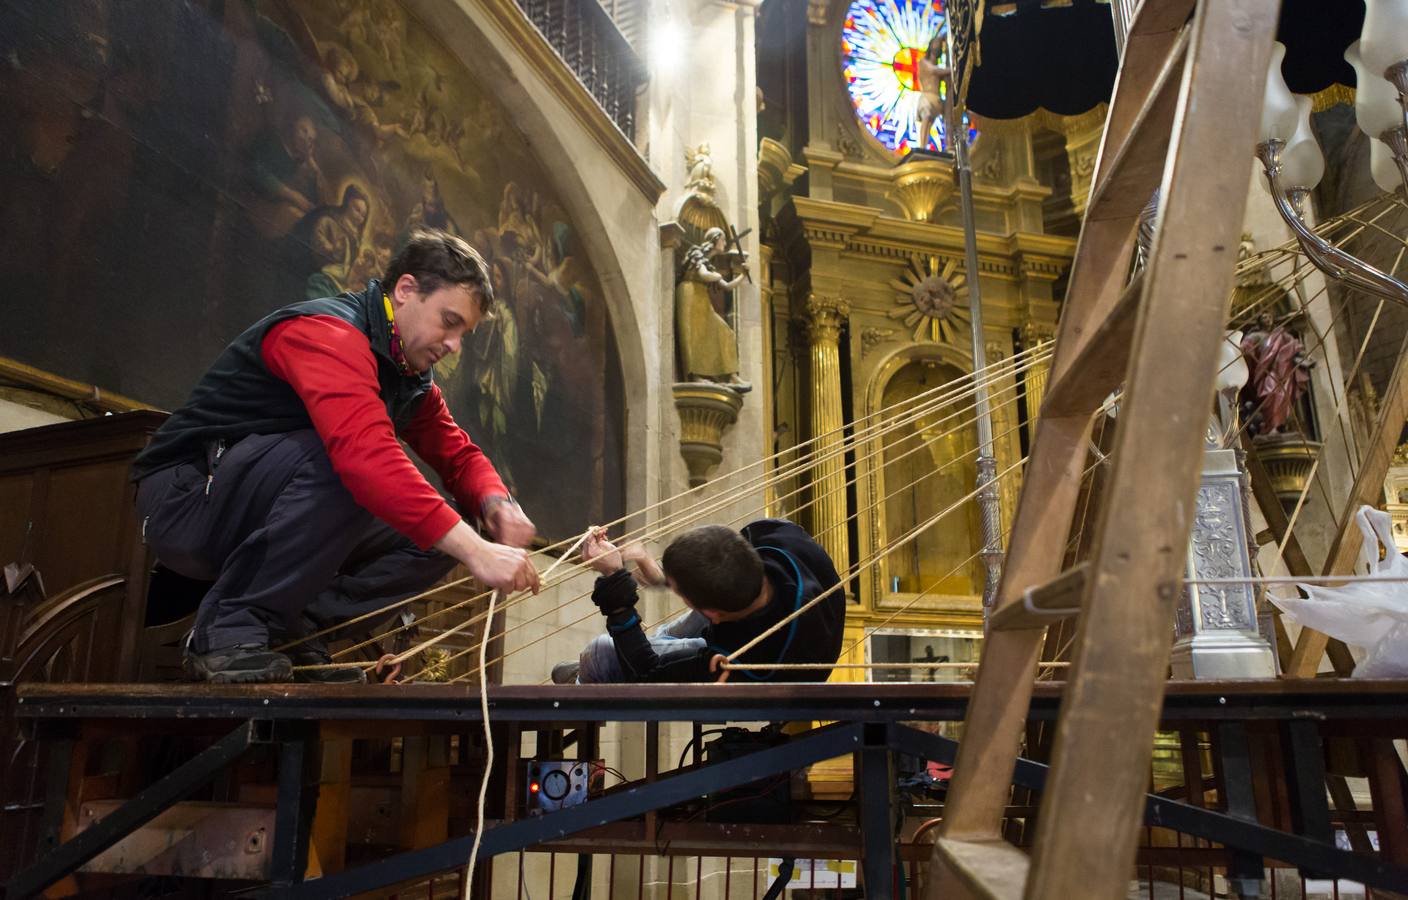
point(239, 396)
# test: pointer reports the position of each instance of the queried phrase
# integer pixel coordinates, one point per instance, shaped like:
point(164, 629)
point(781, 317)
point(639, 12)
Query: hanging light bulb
point(1384, 40)
point(1383, 168)
point(1278, 109)
point(1302, 163)
point(1293, 162)
point(1376, 106)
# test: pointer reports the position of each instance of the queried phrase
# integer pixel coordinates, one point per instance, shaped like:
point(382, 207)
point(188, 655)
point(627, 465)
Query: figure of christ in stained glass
point(894, 61)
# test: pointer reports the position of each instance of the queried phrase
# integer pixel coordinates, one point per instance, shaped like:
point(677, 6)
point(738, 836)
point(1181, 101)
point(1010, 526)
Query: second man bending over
point(737, 585)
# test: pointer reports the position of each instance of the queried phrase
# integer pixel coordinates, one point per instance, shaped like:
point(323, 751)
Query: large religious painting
point(894, 59)
point(175, 170)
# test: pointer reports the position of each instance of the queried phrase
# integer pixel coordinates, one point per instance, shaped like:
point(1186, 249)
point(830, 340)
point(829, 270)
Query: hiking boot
point(308, 654)
point(566, 672)
point(240, 664)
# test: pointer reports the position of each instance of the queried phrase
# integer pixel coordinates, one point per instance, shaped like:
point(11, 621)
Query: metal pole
point(1122, 11)
point(987, 463)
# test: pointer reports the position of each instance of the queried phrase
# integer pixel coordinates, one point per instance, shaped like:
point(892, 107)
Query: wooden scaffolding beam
point(1182, 120)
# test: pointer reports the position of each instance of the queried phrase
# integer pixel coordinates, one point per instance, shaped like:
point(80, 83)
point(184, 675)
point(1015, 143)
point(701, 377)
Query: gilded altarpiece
point(872, 235)
point(906, 335)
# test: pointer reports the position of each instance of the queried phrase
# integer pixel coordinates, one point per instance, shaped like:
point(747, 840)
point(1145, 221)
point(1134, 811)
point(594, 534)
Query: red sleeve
point(469, 475)
point(330, 365)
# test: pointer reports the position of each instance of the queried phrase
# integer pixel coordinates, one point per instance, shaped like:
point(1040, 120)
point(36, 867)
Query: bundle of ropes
point(778, 483)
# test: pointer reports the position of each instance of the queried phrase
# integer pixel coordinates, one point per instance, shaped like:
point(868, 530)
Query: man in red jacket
point(282, 479)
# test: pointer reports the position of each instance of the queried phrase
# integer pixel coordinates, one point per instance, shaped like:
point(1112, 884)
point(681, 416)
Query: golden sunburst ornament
point(929, 303)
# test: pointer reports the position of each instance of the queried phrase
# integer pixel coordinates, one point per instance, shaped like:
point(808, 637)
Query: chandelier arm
point(1397, 138)
point(1329, 259)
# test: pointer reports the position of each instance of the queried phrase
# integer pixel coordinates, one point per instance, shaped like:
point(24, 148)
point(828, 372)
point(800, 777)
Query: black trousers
point(288, 549)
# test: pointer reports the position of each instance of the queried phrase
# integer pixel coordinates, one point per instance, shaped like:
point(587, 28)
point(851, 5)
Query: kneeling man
point(737, 585)
point(282, 480)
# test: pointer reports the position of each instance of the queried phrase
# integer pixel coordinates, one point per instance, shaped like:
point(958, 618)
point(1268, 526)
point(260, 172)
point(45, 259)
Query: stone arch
point(615, 219)
point(882, 493)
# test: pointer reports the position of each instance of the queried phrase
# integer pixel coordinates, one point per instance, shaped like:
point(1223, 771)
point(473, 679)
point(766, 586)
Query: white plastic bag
point(1368, 615)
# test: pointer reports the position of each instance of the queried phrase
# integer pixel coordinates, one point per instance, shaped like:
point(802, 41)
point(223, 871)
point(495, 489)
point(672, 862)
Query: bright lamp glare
point(666, 46)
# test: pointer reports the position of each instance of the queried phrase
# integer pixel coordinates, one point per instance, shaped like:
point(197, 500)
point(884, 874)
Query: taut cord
point(948, 394)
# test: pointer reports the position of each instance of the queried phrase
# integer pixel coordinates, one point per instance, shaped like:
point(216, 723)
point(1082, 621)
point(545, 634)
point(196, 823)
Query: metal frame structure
point(868, 723)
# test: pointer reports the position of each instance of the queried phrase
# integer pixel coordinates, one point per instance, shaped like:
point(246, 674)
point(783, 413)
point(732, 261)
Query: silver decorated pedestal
point(1216, 625)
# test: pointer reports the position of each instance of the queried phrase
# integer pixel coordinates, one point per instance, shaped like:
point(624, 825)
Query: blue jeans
point(673, 640)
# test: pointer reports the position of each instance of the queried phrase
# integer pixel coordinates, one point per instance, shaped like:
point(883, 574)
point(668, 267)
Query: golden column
point(1007, 446)
point(825, 317)
point(1034, 333)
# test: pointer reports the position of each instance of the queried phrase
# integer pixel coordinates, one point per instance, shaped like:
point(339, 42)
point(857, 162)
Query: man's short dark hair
point(715, 568)
point(437, 258)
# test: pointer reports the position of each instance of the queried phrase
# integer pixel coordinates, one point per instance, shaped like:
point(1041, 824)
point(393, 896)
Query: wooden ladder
point(1183, 119)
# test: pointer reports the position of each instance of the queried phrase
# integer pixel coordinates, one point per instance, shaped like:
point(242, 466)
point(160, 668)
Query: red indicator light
point(534, 788)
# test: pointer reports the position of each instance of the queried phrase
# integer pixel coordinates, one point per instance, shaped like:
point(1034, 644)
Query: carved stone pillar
point(825, 318)
point(1216, 624)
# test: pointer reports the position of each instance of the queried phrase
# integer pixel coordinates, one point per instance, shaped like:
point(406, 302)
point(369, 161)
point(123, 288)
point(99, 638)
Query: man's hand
point(505, 568)
point(601, 554)
point(647, 569)
point(499, 567)
point(509, 525)
point(716, 665)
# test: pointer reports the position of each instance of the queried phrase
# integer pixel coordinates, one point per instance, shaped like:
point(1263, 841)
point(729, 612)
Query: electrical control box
point(558, 784)
point(768, 801)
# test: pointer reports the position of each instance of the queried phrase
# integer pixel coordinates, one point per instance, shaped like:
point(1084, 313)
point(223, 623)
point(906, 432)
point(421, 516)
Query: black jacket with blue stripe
point(798, 569)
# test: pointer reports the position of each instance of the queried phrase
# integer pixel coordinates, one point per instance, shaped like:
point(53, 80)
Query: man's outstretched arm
point(615, 595)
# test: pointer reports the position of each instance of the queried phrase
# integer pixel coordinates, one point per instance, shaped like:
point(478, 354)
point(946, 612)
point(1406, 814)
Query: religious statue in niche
point(708, 347)
point(1280, 373)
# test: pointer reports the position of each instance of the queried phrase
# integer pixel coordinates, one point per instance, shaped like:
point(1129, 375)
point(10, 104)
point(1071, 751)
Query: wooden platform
point(1269, 736)
point(1328, 700)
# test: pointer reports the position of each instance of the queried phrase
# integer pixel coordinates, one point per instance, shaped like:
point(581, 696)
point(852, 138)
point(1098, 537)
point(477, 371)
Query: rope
point(872, 561)
point(778, 667)
point(748, 513)
point(847, 520)
point(1339, 401)
point(938, 396)
point(941, 395)
point(484, 716)
point(1308, 579)
point(488, 754)
point(489, 614)
point(857, 569)
point(955, 460)
point(399, 658)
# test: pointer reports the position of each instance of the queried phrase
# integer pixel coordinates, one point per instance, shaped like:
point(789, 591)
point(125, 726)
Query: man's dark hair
point(715, 568)
point(437, 258)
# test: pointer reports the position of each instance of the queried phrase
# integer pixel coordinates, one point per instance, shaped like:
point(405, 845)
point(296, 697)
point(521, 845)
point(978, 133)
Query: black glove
point(615, 594)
